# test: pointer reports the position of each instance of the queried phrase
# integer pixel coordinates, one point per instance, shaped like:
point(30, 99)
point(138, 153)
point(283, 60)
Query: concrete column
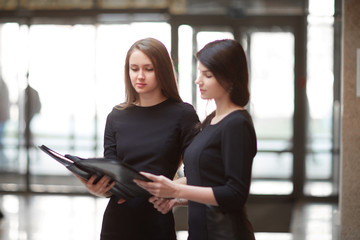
point(350, 136)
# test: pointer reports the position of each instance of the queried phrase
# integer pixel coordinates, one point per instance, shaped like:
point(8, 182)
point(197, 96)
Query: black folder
point(121, 173)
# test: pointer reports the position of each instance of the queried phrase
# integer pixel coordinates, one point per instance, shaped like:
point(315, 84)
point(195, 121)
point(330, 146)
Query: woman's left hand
point(163, 205)
point(160, 186)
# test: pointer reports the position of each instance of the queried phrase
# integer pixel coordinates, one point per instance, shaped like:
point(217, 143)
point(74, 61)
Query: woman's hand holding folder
point(102, 177)
point(101, 188)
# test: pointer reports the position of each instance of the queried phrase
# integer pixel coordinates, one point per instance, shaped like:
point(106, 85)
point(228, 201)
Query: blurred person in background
point(4, 117)
point(4, 109)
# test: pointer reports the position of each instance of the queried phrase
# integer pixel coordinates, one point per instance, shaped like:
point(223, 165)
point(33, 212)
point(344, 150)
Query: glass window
point(320, 79)
point(272, 107)
point(185, 63)
point(77, 72)
point(12, 159)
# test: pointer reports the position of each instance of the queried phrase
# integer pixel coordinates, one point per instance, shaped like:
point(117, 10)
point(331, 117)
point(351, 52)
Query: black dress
point(150, 139)
point(221, 157)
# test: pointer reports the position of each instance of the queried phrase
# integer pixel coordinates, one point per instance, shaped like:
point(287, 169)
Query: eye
point(208, 75)
point(149, 69)
point(134, 69)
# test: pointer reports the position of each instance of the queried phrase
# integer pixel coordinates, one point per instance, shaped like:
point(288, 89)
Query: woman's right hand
point(101, 188)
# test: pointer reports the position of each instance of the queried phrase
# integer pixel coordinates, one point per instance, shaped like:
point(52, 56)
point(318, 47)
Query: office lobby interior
point(62, 72)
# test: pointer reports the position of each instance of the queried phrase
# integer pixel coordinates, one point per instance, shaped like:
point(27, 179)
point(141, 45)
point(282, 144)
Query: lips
point(140, 85)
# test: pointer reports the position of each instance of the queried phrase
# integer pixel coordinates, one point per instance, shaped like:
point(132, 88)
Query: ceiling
point(249, 7)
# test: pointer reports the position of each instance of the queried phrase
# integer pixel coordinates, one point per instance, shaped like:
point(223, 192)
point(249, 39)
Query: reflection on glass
point(273, 165)
point(268, 187)
point(51, 217)
point(318, 188)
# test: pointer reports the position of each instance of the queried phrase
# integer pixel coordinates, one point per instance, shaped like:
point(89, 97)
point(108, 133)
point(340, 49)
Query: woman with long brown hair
point(150, 132)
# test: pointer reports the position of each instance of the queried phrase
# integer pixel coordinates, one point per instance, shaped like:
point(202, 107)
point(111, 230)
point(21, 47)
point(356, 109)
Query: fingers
point(103, 185)
point(81, 179)
point(91, 180)
point(110, 186)
point(103, 182)
point(150, 176)
point(163, 205)
point(100, 188)
point(150, 185)
point(160, 186)
point(141, 183)
point(121, 201)
point(153, 199)
point(147, 185)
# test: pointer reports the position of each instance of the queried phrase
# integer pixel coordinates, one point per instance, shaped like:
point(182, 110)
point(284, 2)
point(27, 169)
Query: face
point(142, 74)
point(209, 86)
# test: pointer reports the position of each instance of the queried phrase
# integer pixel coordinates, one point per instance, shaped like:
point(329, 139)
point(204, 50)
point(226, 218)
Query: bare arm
point(164, 205)
point(165, 188)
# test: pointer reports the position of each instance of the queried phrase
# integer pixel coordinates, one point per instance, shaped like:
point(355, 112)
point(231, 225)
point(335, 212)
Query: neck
point(224, 106)
point(148, 101)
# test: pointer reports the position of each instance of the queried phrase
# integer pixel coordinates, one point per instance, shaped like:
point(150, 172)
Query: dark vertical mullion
point(96, 118)
point(175, 46)
point(336, 125)
point(300, 112)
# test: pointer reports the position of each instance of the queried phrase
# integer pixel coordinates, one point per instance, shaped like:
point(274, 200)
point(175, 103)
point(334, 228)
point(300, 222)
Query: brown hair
point(163, 67)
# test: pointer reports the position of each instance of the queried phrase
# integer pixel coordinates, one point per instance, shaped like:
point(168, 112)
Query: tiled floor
point(60, 217)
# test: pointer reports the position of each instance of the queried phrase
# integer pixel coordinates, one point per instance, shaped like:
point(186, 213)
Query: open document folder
point(119, 172)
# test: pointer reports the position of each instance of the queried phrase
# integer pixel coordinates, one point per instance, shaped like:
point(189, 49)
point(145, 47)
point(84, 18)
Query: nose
point(198, 80)
point(141, 75)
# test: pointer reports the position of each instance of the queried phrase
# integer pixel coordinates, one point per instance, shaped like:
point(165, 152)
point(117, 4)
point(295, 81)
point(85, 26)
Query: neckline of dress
point(237, 110)
point(152, 106)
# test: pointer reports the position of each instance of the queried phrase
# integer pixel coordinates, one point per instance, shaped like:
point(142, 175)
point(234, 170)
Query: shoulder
point(188, 111)
point(183, 106)
point(238, 119)
point(116, 111)
point(184, 113)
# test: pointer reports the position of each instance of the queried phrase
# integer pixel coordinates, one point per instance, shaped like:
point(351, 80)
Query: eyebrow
point(146, 65)
point(205, 71)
